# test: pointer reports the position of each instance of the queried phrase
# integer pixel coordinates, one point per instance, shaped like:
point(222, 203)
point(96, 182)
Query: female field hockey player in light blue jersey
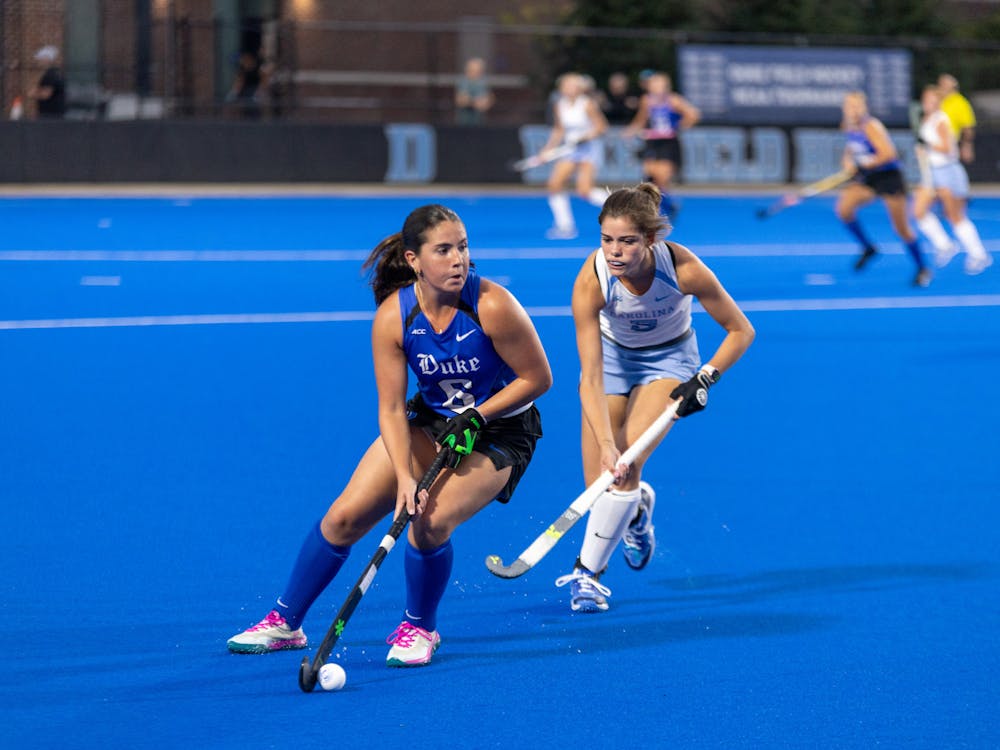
point(638, 354)
point(946, 180)
point(871, 155)
point(479, 366)
point(577, 120)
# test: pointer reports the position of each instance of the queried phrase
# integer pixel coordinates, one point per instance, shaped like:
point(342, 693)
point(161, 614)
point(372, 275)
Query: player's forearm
point(732, 348)
point(519, 392)
point(595, 409)
point(395, 432)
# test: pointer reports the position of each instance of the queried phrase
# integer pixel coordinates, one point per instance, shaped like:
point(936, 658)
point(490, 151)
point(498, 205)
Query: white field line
point(775, 305)
point(760, 250)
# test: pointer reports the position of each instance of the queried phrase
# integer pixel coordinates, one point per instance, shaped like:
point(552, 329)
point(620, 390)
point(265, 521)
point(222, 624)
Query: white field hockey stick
point(811, 190)
point(543, 157)
point(309, 672)
point(541, 546)
point(924, 163)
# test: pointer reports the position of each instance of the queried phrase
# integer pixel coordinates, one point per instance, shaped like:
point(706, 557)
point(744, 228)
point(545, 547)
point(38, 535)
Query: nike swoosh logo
point(463, 336)
point(609, 538)
point(660, 299)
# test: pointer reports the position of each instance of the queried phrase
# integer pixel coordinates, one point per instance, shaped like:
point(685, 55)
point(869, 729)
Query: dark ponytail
point(390, 271)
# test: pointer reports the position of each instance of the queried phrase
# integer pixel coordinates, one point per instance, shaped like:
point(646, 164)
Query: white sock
point(597, 196)
point(931, 228)
point(561, 211)
point(966, 232)
point(606, 525)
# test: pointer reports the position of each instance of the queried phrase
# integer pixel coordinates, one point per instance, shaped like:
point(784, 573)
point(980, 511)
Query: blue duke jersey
point(457, 368)
point(663, 119)
point(860, 147)
point(649, 320)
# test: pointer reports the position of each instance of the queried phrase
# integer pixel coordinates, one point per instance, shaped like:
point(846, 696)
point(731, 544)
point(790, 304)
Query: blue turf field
point(185, 380)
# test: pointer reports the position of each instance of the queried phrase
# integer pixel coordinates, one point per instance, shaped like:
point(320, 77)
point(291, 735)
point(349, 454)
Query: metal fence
point(353, 72)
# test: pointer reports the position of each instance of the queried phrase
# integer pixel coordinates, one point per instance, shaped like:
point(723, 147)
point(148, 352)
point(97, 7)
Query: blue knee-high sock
point(667, 204)
point(318, 562)
point(854, 227)
point(914, 247)
point(427, 575)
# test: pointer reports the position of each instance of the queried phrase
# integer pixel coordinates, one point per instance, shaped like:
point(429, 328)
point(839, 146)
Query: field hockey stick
point(808, 191)
point(543, 157)
point(924, 165)
point(919, 147)
point(547, 540)
point(309, 672)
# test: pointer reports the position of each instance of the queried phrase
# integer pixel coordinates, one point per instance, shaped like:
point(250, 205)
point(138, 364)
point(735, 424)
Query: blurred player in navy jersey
point(662, 114)
point(872, 156)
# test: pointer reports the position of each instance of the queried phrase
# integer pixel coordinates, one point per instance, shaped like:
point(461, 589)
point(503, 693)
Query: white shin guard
point(597, 196)
point(967, 234)
point(562, 213)
point(606, 525)
point(930, 226)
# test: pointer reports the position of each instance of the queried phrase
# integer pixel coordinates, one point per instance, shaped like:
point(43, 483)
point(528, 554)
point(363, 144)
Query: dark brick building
point(332, 60)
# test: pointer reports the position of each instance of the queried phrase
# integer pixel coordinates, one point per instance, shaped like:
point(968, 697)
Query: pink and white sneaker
point(270, 634)
point(411, 646)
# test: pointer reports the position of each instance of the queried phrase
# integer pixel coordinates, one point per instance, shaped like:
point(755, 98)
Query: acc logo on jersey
point(418, 331)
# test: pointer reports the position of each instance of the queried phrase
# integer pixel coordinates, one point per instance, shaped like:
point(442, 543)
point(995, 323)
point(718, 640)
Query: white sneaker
point(411, 646)
point(270, 634)
point(586, 593)
point(561, 233)
point(639, 540)
point(975, 264)
point(943, 256)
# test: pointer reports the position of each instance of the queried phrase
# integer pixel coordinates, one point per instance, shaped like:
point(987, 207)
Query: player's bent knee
point(429, 535)
point(339, 528)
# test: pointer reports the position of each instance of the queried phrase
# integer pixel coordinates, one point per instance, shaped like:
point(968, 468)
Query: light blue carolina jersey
point(457, 368)
point(634, 321)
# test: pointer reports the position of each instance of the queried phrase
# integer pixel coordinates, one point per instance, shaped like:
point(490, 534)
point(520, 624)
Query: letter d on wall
point(412, 153)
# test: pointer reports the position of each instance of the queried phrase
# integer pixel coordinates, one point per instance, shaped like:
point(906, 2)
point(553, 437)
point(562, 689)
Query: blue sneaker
point(639, 540)
point(586, 594)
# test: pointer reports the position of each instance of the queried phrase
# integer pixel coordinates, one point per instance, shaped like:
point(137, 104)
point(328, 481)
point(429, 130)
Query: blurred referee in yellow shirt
point(960, 115)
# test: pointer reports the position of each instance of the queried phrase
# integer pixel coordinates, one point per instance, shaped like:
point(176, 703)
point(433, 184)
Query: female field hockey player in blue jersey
point(948, 181)
point(479, 366)
point(662, 114)
point(871, 154)
point(638, 354)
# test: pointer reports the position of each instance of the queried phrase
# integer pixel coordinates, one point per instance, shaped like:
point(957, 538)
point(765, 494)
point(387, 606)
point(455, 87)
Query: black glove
point(694, 393)
point(460, 434)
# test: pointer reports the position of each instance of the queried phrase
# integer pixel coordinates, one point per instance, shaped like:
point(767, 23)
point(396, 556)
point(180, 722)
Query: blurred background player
point(662, 114)
point(960, 115)
point(949, 183)
point(576, 120)
point(473, 95)
point(638, 353)
point(871, 154)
